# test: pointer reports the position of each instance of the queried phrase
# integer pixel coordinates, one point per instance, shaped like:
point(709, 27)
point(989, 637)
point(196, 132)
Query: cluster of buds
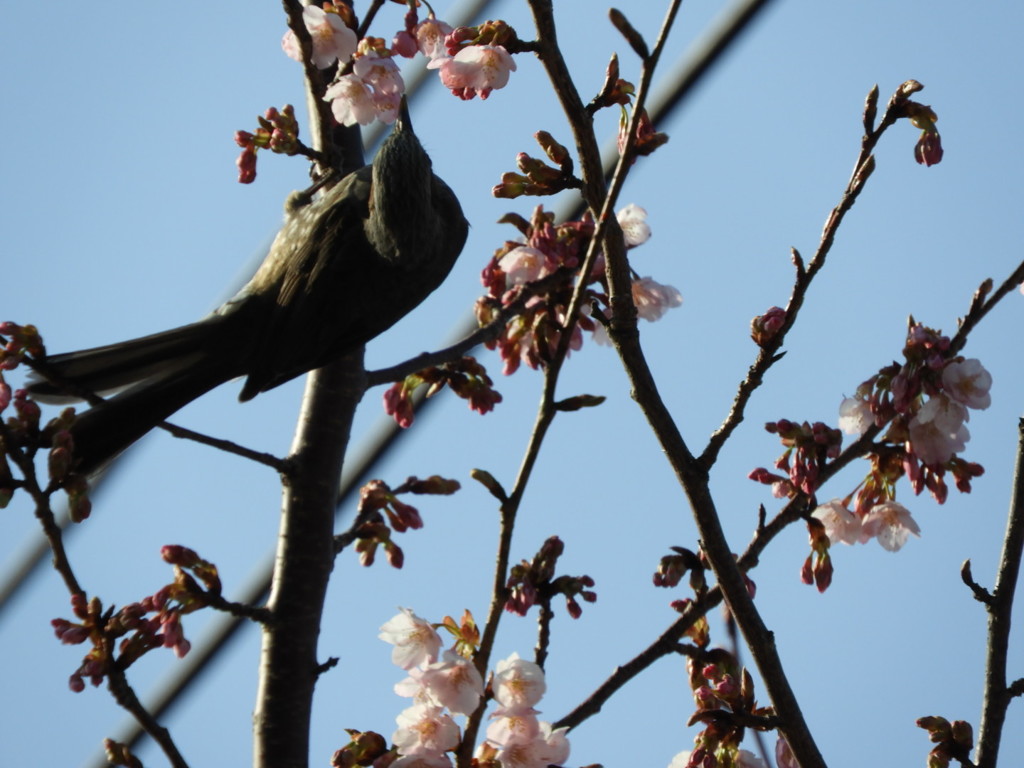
point(534, 582)
point(673, 567)
point(645, 139)
point(466, 378)
point(724, 696)
point(141, 633)
point(17, 342)
point(670, 573)
point(278, 132)
point(120, 754)
point(537, 177)
point(615, 90)
point(888, 522)
point(925, 404)
point(365, 748)
point(928, 150)
point(953, 741)
point(817, 568)
point(378, 500)
point(766, 327)
point(550, 253)
point(539, 270)
point(808, 448)
point(22, 432)
point(448, 684)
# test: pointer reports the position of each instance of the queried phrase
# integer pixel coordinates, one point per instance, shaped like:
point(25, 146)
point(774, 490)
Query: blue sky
point(122, 217)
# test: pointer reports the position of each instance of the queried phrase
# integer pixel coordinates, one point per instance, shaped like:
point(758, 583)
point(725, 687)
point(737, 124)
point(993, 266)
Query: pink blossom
point(784, 754)
point(430, 34)
point(422, 761)
point(476, 70)
point(891, 523)
point(841, 525)
point(968, 383)
point(548, 748)
point(351, 101)
point(653, 299)
point(454, 683)
point(600, 333)
point(415, 640)
point(513, 726)
point(404, 44)
point(681, 760)
point(937, 431)
point(855, 416)
point(523, 265)
point(379, 72)
point(633, 220)
point(518, 683)
point(332, 38)
point(424, 730)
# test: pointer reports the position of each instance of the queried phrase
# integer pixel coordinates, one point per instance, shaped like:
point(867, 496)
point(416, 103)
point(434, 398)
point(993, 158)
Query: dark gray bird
point(342, 270)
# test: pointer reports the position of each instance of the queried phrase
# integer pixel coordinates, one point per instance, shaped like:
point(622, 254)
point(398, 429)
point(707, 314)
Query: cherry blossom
point(351, 101)
point(635, 229)
point(523, 265)
point(453, 682)
point(513, 726)
point(891, 523)
point(422, 761)
point(430, 34)
point(968, 383)
point(784, 756)
point(855, 416)
point(653, 299)
point(937, 431)
point(475, 70)
point(518, 683)
point(425, 730)
point(415, 640)
point(333, 40)
point(548, 748)
point(381, 75)
point(841, 525)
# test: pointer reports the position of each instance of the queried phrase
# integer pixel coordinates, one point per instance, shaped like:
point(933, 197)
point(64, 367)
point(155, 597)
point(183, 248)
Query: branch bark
point(288, 666)
point(1000, 606)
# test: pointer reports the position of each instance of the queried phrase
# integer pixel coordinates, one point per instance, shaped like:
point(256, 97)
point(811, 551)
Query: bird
point(343, 269)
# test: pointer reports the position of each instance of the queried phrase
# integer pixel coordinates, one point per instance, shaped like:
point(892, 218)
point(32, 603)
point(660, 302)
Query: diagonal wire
point(672, 91)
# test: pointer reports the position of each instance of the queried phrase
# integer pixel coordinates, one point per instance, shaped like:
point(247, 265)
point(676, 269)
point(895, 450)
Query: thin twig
point(770, 353)
point(125, 696)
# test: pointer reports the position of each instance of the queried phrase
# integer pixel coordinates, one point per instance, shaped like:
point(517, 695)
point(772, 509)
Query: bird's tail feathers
point(108, 369)
point(104, 431)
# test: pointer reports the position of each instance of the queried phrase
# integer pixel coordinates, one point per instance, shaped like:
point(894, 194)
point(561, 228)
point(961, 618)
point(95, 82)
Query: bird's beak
point(403, 122)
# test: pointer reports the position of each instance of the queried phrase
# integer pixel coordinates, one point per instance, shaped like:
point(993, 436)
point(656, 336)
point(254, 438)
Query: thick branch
point(289, 666)
point(1000, 605)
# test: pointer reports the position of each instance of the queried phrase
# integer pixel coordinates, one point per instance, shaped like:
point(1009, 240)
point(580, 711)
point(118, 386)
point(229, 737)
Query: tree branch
point(1000, 606)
